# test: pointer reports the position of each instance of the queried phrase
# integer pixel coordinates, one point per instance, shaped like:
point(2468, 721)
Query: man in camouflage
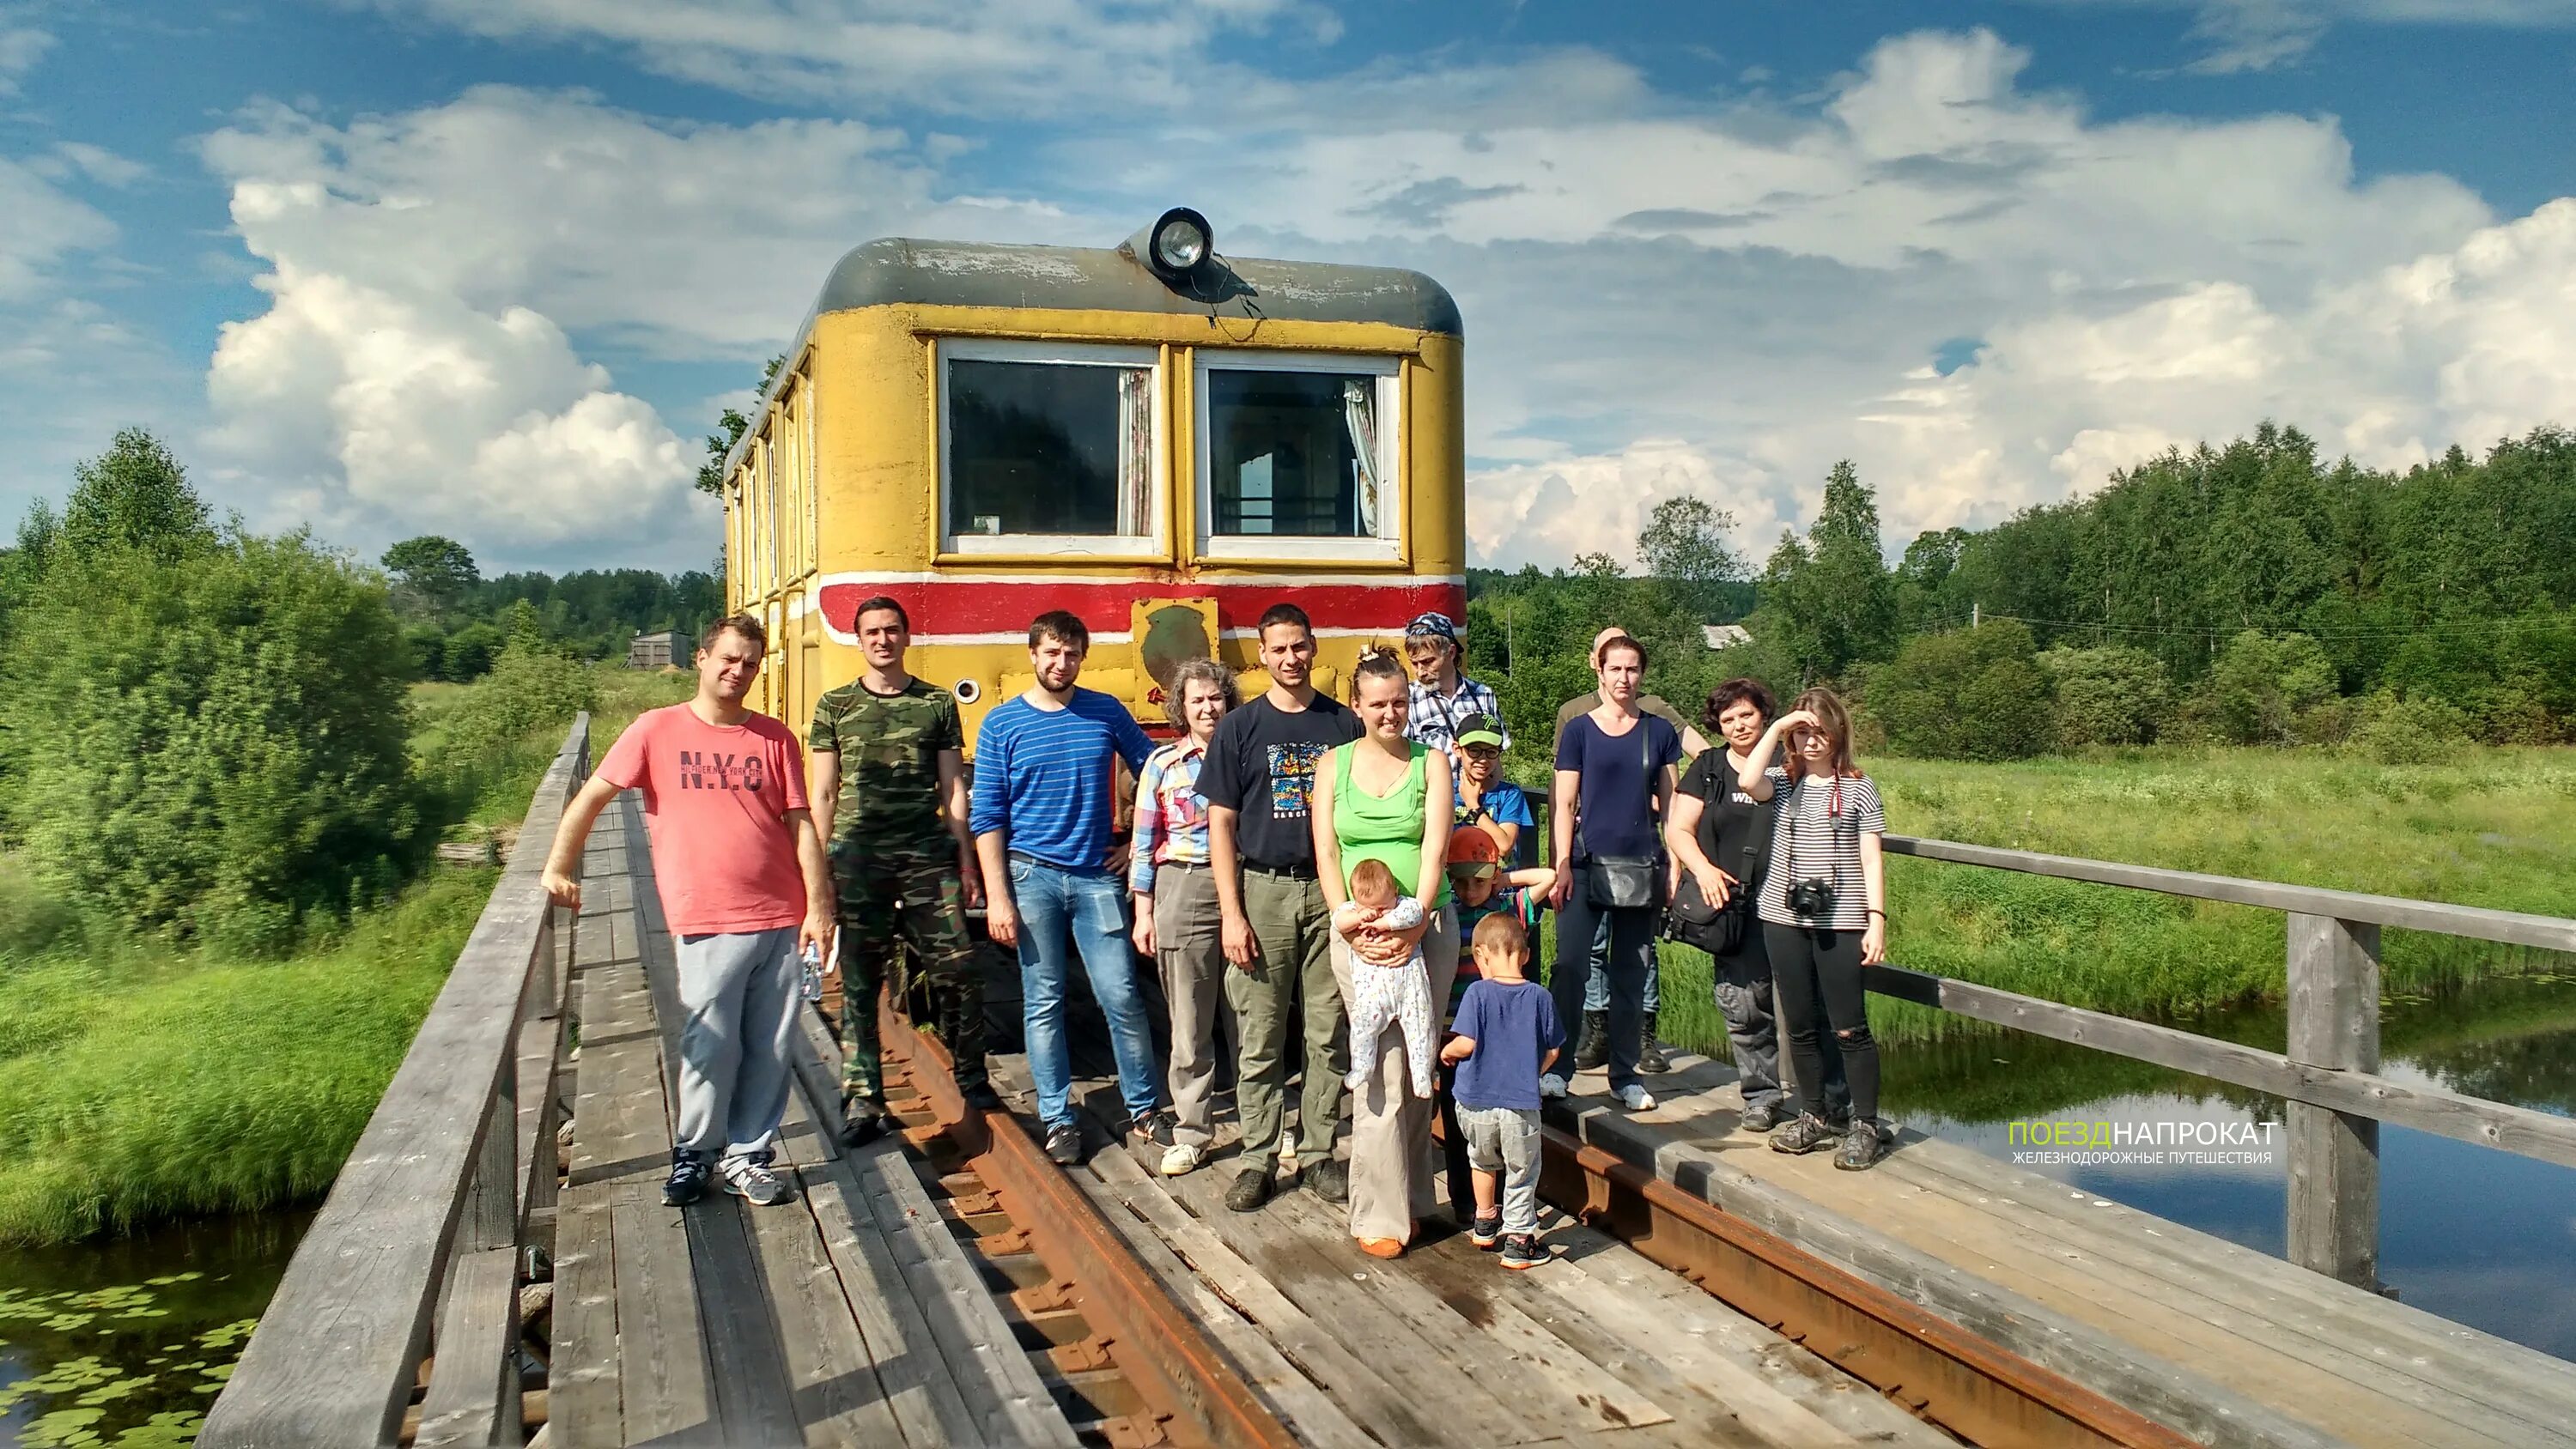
point(887, 758)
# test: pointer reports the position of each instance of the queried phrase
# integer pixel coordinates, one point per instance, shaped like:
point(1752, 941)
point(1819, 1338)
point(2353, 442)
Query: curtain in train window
point(1293, 454)
point(1063, 448)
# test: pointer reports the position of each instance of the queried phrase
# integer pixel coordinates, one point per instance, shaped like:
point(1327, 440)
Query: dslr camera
point(1812, 899)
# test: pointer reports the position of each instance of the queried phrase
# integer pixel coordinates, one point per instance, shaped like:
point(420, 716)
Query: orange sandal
point(1382, 1247)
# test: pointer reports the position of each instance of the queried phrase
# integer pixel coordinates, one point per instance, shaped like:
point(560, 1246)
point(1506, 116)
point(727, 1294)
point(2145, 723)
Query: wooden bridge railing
point(2329, 1075)
point(423, 1224)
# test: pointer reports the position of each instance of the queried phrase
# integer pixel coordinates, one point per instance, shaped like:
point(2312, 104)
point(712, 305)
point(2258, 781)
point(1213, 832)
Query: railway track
point(1132, 1368)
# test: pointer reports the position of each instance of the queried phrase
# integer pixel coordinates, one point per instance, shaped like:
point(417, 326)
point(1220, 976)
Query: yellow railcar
point(1160, 439)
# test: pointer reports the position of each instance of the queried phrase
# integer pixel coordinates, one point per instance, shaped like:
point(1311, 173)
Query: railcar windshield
point(1293, 453)
point(1048, 446)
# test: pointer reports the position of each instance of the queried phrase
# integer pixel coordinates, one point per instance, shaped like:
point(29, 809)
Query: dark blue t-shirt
point(1513, 1024)
point(1615, 814)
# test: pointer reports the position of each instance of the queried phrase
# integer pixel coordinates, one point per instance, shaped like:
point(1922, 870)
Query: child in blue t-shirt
point(1507, 1037)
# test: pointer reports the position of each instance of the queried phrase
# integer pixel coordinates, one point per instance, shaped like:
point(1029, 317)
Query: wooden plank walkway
point(837, 1319)
point(1599, 1347)
point(2225, 1343)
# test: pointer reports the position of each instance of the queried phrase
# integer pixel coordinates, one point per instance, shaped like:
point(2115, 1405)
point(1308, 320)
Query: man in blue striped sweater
point(1045, 767)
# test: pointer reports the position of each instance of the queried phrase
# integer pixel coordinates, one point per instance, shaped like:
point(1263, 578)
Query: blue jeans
point(1632, 954)
point(1596, 988)
point(1088, 905)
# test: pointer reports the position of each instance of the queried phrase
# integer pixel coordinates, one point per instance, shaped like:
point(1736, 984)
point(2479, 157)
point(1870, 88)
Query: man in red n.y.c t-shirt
point(743, 885)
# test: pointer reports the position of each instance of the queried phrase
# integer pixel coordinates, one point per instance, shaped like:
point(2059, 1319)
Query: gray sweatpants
point(1504, 1141)
point(739, 995)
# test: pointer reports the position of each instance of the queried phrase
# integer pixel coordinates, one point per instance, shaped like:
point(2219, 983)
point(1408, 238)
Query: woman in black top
point(1721, 837)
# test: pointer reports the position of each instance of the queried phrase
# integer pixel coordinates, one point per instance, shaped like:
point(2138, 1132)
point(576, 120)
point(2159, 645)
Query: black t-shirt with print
point(1734, 828)
point(1262, 763)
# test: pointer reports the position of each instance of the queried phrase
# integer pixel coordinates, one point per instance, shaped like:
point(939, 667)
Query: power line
point(2560, 621)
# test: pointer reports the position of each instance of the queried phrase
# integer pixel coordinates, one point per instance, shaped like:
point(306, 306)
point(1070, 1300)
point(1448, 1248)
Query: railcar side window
point(1049, 448)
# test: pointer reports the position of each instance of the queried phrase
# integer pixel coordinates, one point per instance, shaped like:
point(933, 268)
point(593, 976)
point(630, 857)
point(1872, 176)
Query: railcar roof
point(1107, 279)
point(981, 274)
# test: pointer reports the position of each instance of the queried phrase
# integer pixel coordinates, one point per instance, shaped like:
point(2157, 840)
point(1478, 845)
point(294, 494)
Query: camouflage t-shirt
point(889, 746)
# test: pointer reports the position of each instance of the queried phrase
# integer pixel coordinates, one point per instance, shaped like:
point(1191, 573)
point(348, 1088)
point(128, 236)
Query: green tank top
point(1384, 827)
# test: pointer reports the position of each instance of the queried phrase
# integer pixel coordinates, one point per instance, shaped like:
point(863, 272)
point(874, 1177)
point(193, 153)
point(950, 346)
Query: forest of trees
point(2253, 593)
point(455, 620)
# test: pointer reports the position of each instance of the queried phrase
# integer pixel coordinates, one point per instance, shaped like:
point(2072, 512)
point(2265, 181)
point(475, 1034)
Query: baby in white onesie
point(1400, 993)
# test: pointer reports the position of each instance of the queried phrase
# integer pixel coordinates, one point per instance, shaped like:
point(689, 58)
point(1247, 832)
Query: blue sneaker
point(687, 1182)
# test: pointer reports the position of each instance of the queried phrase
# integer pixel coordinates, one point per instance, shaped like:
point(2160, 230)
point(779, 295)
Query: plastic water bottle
point(813, 973)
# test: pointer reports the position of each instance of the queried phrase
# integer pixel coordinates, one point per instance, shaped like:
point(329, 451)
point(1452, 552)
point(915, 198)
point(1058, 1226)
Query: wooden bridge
point(494, 1265)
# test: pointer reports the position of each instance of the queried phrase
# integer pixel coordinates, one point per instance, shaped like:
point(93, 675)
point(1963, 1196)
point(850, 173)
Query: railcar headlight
point(1175, 246)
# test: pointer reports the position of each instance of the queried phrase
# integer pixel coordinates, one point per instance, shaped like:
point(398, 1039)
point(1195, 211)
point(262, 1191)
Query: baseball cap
point(1480, 729)
point(1473, 852)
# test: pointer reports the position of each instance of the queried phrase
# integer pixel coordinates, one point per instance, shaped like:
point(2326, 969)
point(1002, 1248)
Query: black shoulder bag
point(1628, 882)
point(1718, 930)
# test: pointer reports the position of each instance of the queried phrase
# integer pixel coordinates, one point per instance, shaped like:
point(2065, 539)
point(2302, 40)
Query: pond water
point(125, 1342)
point(2473, 1234)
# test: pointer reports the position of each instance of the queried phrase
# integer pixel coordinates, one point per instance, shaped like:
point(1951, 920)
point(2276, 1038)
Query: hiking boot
point(1486, 1230)
point(1330, 1180)
point(1650, 1052)
point(862, 1118)
point(1636, 1098)
point(1806, 1134)
point(687, 1182)
point(1592, 1048)
point(1862, 1147)
point(1761, 1117)
point(1064, 1144)
point(750, 1179)
point(1521, 1250)
point(1250, 1190)
point(1182, 1158)
point(981, 1096)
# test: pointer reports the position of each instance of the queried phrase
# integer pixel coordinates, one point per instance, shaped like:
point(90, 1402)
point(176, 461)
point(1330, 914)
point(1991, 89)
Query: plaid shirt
point(1171, 816)
point(1434, 720)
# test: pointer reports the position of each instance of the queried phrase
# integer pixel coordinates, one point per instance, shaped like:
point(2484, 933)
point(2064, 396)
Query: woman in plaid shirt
point(1176, 907)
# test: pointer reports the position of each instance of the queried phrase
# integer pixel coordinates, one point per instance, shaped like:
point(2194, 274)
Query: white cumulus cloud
point(431, 274)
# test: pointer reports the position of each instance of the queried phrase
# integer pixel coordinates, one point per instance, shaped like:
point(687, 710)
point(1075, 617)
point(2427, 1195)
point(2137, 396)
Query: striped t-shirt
point(1044, 775)
point(1816, 826)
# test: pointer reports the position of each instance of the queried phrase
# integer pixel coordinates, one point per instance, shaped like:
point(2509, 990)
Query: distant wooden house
point(666, 649)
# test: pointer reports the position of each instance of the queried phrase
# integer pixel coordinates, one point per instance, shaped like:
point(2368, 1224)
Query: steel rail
point(1947, 1375)
point(1161, 1349)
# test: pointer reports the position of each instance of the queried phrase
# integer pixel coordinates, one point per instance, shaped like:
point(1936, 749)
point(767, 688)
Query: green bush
point(211, 743)
point(2262, 683)
point(2396, 731)
point(507, 721)
point(2108, 696)
point(1970, 694)
point(469, 652)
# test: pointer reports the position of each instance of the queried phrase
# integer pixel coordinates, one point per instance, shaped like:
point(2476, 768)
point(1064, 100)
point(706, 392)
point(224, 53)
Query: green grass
point(140, 1081)
point(141, 1085)
point(2493, 827)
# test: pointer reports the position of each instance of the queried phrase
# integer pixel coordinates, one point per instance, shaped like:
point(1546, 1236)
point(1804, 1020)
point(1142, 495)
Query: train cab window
point(1049, 449)
point(1293, 456)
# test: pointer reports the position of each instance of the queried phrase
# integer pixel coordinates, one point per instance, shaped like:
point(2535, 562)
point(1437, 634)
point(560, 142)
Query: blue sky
point(489, 267)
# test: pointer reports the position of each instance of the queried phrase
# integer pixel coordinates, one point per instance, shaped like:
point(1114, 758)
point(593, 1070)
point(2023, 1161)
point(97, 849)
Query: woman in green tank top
point(1384, 797)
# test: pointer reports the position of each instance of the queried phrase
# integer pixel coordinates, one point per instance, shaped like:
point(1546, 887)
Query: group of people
point(1353, 878)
